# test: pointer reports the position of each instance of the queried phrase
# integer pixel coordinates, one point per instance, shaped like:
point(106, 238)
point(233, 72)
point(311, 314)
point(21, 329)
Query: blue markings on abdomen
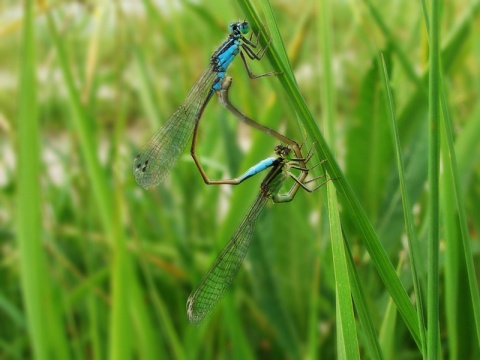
point(255, 169)
point(217, 83)
point(222, 61)
point(226, 57)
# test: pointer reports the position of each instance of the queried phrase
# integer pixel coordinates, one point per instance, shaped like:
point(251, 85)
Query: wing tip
point(194, 317)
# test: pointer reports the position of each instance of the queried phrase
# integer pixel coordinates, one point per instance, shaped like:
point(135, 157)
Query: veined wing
point(161, 152)
point(218, 279)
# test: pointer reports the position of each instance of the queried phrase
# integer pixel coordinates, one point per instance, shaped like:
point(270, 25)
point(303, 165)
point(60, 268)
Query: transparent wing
point(218, 279)
point(161, 152)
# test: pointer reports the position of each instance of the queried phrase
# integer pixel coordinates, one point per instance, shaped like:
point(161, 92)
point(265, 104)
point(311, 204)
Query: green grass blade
point(100, 188)
point(453, 200)
point(312, 347)
point(150, 347)
point(413, 245)
point(365, 317)
point(45, 329)
point(347, 343)
point(453, 248)
point(433, 334)
point(104, 199)
point(387, 331)
point(28, 226)
point(452, 190)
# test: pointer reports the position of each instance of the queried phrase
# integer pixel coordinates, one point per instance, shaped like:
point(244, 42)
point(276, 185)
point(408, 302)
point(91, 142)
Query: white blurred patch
point(7, 163)
point(52, 158)
point(314, 217)
point(8, 80)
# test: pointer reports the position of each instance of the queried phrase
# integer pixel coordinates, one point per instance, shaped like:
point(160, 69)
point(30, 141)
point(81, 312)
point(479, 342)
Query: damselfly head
point(282, 150)
point(242, 27)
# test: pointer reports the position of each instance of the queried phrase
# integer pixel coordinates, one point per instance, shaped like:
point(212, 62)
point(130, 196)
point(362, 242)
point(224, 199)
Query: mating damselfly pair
point(161, 152)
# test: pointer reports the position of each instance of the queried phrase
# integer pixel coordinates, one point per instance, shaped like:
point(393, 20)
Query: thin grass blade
point(413, 244)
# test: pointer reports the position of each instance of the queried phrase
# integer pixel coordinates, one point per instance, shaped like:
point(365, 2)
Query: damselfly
point(161, 152)
point(217, 280)
point(225, 101)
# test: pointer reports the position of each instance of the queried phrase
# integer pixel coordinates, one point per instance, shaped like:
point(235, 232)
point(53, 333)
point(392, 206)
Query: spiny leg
point(251, 75)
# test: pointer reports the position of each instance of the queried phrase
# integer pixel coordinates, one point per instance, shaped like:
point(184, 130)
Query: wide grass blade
point(44, 325)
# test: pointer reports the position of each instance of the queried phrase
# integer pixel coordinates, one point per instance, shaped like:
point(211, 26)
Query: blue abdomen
point(255, 169)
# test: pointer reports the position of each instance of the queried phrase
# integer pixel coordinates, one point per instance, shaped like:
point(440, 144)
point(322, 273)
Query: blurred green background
point(94, 266)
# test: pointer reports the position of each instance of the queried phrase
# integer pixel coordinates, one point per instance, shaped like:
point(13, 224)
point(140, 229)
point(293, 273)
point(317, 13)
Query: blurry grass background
point(93, 266)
